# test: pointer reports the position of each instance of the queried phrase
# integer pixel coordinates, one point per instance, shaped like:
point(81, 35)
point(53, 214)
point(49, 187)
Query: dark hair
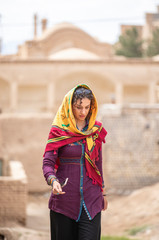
point(81, 93)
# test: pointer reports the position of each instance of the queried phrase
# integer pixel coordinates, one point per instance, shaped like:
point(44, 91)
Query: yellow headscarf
point(65, 119)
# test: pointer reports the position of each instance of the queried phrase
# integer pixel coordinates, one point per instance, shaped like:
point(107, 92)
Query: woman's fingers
point(57, 188)
point(57, 192)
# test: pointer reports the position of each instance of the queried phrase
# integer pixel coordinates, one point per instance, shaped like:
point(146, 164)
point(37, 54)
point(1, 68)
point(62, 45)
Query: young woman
point(72, 165)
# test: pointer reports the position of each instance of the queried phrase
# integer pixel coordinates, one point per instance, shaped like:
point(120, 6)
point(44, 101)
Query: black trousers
point(63, 228)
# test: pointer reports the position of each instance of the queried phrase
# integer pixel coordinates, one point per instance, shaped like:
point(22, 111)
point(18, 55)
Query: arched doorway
point(135, 94)
point(103, 88)
point(32, 98)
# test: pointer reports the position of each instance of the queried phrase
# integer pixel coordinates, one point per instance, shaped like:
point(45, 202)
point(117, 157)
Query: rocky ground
point(136, 216)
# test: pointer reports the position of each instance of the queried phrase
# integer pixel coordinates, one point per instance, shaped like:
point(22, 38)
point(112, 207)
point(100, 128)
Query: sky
point(99, 18)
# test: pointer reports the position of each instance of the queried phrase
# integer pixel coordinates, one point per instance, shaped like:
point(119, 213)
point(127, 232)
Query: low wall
point(13, 195)
point(131, 152)
point(23, 137)
point(130, 155)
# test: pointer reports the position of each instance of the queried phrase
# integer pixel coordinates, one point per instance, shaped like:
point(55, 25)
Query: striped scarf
point(64, 131)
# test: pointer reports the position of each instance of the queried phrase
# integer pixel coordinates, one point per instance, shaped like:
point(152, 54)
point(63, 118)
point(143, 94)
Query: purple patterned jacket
point(80, 191)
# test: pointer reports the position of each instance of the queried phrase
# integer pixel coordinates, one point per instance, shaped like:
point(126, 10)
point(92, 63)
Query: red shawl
point(59, 137)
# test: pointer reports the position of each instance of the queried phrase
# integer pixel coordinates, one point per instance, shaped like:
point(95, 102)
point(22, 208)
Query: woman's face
point(81, 109)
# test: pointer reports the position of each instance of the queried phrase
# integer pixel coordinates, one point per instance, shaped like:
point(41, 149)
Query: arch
point(135, 93)
point(4, 95)
point(65, 36)
point(32, 98)
point(102, 87)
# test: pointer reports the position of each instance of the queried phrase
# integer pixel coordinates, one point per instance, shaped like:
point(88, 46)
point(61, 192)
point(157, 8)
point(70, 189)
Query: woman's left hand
point(105, 203)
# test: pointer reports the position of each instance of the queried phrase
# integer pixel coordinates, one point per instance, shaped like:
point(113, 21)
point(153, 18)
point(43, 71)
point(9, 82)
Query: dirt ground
point(138, 212)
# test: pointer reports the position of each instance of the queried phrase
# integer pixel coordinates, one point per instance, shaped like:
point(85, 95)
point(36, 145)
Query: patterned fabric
point(79, 189)
point(65, 119)
point(64, 131)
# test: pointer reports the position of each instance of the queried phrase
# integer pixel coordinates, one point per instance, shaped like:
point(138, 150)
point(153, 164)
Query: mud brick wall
point(13, 196)
point(131, 152)
point(130, 155)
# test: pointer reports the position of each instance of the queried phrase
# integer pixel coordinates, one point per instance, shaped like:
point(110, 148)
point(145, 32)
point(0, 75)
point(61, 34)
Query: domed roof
point(60, 26)
point(74, 53)
point(66, 41)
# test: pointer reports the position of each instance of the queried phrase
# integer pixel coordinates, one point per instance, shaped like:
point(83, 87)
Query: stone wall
point(130, 155)
point(23, 137)
point(13, 195)
point(131, 152)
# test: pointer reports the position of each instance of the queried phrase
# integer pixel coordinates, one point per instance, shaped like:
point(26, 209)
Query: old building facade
point(44, 69)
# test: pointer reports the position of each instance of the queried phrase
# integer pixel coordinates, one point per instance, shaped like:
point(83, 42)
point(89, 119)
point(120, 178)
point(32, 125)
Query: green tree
point(153, 47)
point(130, 44)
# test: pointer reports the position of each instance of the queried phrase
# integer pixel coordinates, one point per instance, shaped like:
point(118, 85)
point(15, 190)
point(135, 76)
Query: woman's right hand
point(56, 188)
